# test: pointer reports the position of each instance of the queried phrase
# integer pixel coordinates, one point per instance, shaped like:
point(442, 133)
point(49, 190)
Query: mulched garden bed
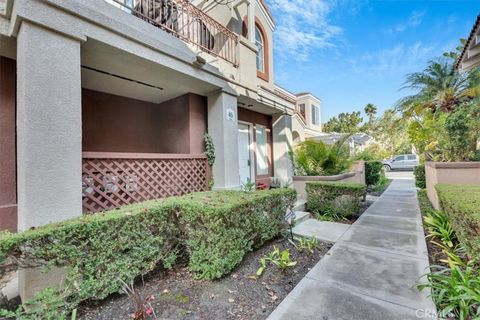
point(176, 294)
point(377, 193)
point(351, 219)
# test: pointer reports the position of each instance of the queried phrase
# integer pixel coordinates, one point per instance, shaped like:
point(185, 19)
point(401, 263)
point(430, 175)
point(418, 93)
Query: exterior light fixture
point(199, 61)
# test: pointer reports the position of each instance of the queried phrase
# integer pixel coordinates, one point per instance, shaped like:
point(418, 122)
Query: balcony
point(187, 22)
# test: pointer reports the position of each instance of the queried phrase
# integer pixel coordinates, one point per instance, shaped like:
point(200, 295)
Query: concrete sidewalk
point(372, 270)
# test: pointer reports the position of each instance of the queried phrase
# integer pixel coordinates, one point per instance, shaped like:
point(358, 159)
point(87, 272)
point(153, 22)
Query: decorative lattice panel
point(109, 183)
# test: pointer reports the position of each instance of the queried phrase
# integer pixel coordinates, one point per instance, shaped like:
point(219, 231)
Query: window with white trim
point(260, 53)
point(315, 115)
point(261, 150)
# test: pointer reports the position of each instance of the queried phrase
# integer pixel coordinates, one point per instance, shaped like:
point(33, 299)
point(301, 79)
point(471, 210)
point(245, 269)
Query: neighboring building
point(105, 103)
point(357, 142)
point(470, 56)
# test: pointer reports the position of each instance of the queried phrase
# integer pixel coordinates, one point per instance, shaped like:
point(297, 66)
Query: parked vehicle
point(401, 162)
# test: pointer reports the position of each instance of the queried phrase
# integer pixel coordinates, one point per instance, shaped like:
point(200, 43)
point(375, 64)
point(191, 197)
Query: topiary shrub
point(462, 204)
point(215, 229)
point(373, 172)
point(334, 199)
point(419, 173)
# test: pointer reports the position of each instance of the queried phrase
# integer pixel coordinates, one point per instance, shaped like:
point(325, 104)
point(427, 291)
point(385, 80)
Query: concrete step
point(301, 216)
point(299, 205)
point(322, 230)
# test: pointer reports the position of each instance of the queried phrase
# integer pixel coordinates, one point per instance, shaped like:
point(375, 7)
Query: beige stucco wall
point(449, 173)
point(299, 182)
point(308, 100)
point(49, 127)
point(357, 175)
point(233, 18)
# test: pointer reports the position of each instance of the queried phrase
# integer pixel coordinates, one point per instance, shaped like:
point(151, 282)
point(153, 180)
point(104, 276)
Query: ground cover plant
point(334, 200)
point(214, 230)
point(454, 279)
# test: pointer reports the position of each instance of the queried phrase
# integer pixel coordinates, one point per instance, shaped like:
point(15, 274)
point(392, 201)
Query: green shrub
point(419, 173)
point(220, 235)
point(99, 249)
point(455, 291)
point(216, 230)
point(462, 204)
point(316, 158)
point(373, 172)
point(334, 199)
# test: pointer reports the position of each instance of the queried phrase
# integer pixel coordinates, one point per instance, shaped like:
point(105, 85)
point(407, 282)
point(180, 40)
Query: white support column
point(251, 21)
point(223, 127)
point(49, 127)
point(282, 142)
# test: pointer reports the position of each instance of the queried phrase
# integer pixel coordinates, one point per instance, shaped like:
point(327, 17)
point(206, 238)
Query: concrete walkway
point(371, 271)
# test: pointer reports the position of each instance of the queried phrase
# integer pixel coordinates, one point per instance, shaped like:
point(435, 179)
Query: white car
point(401, 162)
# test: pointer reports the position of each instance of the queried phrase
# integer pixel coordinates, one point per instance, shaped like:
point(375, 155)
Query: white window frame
point(315, 115)
point(266, 170)
point(260, 57)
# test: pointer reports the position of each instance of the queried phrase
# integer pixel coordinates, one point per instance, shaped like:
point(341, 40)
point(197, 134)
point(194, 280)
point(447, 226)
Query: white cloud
point(400, 59)
point(413, 21)
point(302, 25)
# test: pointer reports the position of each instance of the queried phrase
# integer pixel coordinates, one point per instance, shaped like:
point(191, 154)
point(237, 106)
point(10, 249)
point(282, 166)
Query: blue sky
point(353, 52)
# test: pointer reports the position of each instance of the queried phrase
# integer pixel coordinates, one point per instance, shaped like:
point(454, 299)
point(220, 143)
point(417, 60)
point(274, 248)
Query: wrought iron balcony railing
point(184, 20)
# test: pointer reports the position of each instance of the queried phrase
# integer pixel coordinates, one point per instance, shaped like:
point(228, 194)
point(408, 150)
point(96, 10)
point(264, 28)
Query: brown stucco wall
point(264, 120)
point(118, 124)
point(8, 183)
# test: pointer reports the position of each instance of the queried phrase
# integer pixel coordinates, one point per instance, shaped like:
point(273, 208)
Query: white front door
point(244, 153)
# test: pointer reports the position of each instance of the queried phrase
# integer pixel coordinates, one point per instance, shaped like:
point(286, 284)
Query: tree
point(440, 87)
point(371, 111)
point(390, 134)
point(346, 122)
point(442, 115)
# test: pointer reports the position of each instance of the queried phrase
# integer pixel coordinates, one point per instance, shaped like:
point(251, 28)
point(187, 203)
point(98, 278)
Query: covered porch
point(143, 128)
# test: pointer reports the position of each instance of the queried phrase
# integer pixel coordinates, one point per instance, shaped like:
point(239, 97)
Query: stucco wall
point(118, 124)
point(357, 175)
point(450, 173)
point(8, 183)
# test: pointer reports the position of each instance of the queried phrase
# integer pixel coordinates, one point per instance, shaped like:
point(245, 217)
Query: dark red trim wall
point(8, 169)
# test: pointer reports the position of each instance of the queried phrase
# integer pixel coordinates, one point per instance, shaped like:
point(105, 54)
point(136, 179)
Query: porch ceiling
point(260, 107)
point(111, 70)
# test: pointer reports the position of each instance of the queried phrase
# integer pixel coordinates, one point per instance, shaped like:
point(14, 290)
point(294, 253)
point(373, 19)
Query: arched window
point(259, 41)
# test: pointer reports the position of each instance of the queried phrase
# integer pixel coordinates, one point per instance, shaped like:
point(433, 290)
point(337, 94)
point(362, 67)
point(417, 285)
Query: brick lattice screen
point(112, 180)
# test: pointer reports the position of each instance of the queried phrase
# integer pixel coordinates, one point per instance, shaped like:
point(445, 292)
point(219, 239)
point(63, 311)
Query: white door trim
point(250, 147)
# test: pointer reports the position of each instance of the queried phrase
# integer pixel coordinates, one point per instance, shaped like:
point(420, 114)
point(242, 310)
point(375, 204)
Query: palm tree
point(370, 110)
point(440, 88)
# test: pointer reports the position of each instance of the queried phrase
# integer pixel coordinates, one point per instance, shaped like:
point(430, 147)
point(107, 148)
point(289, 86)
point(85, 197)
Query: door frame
point(253, 178)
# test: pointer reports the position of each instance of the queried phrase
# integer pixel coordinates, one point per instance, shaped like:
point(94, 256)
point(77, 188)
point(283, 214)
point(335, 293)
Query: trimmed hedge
point(419, 173)
point(341, 199)
point(462, 204)
point(373, 172)
point(221, 230)
point(215, 229)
